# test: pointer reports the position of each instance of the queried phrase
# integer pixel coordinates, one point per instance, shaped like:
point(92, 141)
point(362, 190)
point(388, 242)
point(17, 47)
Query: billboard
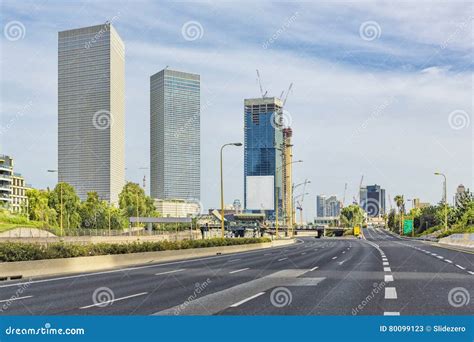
point(260, 193)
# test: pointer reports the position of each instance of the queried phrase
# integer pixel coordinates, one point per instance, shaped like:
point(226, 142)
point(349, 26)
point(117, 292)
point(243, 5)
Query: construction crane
point(344, 197)
point(360, 187)
point(286, 96)
point(264, 94)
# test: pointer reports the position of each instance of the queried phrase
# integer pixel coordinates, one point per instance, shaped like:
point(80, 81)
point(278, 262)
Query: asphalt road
point(382, 274)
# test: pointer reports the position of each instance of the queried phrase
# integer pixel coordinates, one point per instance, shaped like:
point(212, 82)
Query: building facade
point(327, 206)
point(19, 200)
point(320, 206)
point(175, 147)
point(177, 208)
point(6, 173)
point(372, 200)
point(91, 110)
point(263, 144)
point(460, 190)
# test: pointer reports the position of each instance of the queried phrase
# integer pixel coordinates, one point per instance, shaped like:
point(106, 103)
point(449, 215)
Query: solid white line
point(459, 266)
point(440, 257)
point(12, 299)
point(282, 259)
point(334, 258)
point(387, 269)
point(314, 268)
point(242, 269)
point(391, 313)
point(470, 272)
point(168, 272)
point(390, 293)
point(234, 260)
point(388, 278)
point(113, 300)
point(385, 263)
point(246, 300)
point(447, 260)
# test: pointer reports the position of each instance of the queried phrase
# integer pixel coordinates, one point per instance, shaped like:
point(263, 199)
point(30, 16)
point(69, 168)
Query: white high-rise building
point(91, 110)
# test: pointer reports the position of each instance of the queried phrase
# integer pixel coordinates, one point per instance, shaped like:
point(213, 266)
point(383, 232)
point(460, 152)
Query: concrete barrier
point(50, 267)
point(465, 240)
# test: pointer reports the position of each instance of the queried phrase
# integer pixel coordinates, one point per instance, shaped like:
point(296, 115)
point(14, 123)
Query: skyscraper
point(372, 200)
point(321, 206)
point(175, 147)
point(263, 143)
point(91, 110)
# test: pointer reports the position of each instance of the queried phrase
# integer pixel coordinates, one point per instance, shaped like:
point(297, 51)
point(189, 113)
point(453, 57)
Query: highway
point(381, 274)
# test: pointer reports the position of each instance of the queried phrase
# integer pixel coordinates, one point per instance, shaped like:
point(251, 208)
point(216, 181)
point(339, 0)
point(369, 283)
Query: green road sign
point(407, 226)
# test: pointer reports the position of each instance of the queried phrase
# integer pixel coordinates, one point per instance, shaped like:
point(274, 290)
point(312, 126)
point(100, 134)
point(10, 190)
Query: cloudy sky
point(380, 89)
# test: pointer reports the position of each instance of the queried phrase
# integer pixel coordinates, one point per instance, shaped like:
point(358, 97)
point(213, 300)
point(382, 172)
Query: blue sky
point(392, 102)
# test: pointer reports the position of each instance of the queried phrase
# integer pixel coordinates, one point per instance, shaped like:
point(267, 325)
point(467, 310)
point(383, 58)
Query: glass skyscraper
point(263, 141)
point(175, 147)
point(91, 110)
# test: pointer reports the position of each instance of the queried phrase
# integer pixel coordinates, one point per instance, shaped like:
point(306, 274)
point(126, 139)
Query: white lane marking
point(440, 257)
point(384, 259)
point(234, 260)
point(303, 253)
point(387, 278)
point(391, 313)
point(247, 299)
point(459, 266)
point(387, 269)
point(334, 258)
point(343, 252)
point(385, 263)
point(168, 272)
point(390, 293)
point(434, 254)
point(314, 268)
point(470, 272)
point(12, 299)
point(112, 301)
point(241, 270)
point(267, 254)
point(447, 260)
point(282, 259)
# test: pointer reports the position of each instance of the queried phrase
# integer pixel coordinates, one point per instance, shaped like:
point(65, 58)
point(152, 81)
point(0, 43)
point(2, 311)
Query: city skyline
point(395, 93)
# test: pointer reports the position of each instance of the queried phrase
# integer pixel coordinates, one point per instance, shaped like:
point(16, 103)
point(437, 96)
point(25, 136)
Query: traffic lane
point(343, 287)
point(80, 290)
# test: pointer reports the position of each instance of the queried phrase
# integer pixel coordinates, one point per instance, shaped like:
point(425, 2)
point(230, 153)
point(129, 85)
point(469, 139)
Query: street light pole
point(445, 195)
point(222, 187)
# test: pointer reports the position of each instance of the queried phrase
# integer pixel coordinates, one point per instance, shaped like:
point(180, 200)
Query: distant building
point(372, 200)
point(460, 190)
point(6, 173)
point(417, 204)
point(175, 150)
point(19, 200)
point(263, 144)
point(320, 205)
point(328, 207)
point(237, 206)
point(177, 208)
point(91, 111)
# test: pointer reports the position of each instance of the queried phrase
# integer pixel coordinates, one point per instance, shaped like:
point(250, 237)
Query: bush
point(18, 251)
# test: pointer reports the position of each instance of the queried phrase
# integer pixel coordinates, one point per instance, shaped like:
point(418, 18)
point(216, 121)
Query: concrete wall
point(461, 240)
point(49, 267)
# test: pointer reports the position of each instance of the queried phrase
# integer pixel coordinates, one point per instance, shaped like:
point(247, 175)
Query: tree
point(352, 215)
point(38, 208)
point(96, 213)
point(133, 201)
point(70, 204)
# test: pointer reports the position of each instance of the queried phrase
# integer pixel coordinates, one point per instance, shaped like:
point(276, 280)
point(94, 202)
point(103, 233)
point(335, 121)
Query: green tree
point(38, 208)
point(96, 213)
point(133, 201)
point(352, 215)
point(70, 205)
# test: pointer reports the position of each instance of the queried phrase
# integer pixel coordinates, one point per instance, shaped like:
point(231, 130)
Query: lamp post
point(61, 204)
point(276, 196)
point(306, 181)
point(412, 228)
point(445, 197)
point(222, 187)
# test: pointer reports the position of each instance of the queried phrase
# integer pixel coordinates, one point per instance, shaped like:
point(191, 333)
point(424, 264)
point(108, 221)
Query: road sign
point(407, 226)
point(356, 230)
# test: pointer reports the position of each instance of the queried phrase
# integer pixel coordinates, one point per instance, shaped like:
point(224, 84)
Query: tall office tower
point(175, 147)
point(333, 206)
point(91, 110)
point(263, 146)
point(460, 190)
point(321, 206)
point(373, 200)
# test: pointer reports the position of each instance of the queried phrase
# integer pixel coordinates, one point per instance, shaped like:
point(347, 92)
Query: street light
point(445, 200)
point(222, 188)
point(61, 205)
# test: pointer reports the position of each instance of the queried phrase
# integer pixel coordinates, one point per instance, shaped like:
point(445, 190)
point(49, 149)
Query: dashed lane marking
point(169, 272)
point(388, 278)
point(459, 266)
point(282, 259)
point(390, 293)
point(387, 269)
point(241, 270)
point(247, 299)
point(391, 313)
